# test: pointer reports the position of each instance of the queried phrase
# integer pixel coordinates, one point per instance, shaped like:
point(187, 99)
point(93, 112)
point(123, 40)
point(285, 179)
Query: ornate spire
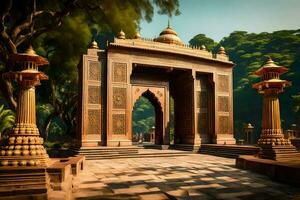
point(222, 50)
point(121, 35)
point(137, 35)
point(30, 51)
point(93, 45)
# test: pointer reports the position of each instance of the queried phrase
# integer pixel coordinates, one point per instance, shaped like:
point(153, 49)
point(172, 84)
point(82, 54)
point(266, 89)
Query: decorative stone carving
point(224, 125)
point(223, 83)
point(94, 122)
point(94, 71)
point(120, 72)
point(94, 94)
point(119, 124)
point(223, 104)
point(119, 98)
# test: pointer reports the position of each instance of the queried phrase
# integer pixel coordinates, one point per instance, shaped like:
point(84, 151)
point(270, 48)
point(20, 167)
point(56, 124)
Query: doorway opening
point(147, 120)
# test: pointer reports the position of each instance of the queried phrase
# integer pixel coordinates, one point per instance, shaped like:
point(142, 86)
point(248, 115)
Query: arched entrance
point(155, 95)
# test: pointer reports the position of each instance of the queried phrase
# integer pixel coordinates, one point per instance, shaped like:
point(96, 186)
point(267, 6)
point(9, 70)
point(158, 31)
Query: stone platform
point(189, 177)
point(287, 170)
point(31, 183)
point(40, 183)
point(228, 151)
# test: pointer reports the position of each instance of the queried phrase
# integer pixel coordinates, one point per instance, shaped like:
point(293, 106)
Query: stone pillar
point(271, 125)
point(25, 146)
point(272, 142)
point(23, 159)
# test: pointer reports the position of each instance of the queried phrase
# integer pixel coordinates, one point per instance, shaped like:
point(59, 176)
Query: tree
point(22, 21)
point(201, 39)
point(60, 31)
point(7, 119)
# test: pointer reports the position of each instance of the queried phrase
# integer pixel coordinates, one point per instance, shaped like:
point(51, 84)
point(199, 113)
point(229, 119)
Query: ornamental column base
point(275, 147)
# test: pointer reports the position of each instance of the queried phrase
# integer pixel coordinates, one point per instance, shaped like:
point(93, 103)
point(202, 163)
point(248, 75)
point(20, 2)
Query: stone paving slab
point(193, 176)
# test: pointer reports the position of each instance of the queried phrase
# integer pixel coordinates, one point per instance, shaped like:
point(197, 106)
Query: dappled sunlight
point(193, 176)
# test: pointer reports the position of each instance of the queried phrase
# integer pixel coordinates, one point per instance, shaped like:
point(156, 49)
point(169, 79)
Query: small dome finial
point(121, 35)
point(203, 47)
point(222, 50)
point(269, 61)
point(137, 35)
point(30, 51)
point(93, 45)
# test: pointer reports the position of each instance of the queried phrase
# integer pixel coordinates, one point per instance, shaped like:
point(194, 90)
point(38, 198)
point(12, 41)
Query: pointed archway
point(158, 111)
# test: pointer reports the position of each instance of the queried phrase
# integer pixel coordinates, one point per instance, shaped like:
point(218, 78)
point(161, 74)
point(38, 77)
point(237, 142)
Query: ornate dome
point(137, 35)
point(121, 35)
point(169, 36)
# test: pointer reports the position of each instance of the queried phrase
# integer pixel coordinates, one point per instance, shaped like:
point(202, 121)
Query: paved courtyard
point(192, 176)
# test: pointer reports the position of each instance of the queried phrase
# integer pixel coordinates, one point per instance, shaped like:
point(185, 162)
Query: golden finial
point(137, 35)
point(30, 51)
point(94, 45)
point(121, 35)
point(222, 50)
point(269, 61)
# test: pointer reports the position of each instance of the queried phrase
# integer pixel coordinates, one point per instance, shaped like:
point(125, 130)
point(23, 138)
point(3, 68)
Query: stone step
point(133, 156)
point(230, 151)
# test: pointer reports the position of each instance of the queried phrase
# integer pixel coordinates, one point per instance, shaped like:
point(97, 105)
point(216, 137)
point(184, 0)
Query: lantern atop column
point(25, 146)
point(270, 74)
point(272, 142)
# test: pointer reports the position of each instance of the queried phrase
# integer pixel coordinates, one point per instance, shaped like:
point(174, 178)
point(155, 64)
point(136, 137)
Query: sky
point(218, 18)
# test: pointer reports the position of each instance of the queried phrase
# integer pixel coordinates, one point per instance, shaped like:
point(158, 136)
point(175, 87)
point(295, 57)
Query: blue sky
point(218, 18)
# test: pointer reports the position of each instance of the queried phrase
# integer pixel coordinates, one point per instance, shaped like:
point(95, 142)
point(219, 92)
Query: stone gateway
point(112, 80)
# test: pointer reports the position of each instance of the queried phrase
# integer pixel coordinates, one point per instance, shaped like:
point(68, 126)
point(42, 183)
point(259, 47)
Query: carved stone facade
point(94, 117)
point(119, 72)
point(119, 98)
point(92, 95)
point(112, 80)
point(119, 124)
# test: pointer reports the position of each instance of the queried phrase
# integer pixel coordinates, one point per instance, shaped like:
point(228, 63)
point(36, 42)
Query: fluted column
point(271, 124)
point(25, 146)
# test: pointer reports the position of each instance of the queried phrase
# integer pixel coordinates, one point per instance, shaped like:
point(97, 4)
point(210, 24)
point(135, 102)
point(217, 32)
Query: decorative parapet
point(150, 44)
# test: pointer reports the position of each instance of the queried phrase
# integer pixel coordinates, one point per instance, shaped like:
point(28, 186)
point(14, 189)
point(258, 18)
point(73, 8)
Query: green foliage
point(296, 106)
point(7, 119)
point(201, 39)
point(143, 116)
point(249, 51)
point(60, 31)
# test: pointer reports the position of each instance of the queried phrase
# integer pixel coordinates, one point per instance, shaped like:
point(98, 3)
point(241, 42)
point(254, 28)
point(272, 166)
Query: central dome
point(169, 36)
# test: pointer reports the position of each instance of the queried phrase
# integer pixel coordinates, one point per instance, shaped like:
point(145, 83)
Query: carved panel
point(119, 124)
point(224, 126)
point(120, 72)
point(119, 98)
point(94, 122)
point(94, 94)
point(94, 71)
point(201, 99)
point(223, 83)
point(202, 123)
point(223, 104)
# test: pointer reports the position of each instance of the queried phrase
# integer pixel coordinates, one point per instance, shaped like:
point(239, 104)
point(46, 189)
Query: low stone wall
point(283, 171)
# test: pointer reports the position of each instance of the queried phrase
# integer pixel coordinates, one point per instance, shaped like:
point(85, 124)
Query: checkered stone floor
point(193, 176)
